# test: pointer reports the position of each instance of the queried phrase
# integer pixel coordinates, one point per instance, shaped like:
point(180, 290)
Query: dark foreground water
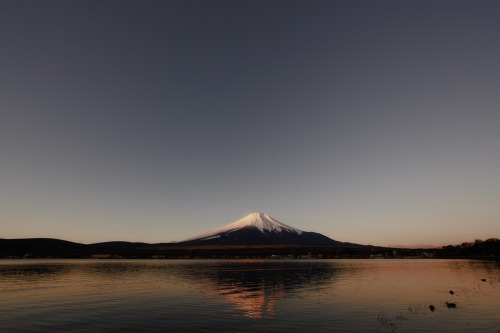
point(249, 296)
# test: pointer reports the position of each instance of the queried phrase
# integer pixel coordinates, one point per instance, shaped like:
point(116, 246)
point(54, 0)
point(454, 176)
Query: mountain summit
point(260, 229)
point(261, 221)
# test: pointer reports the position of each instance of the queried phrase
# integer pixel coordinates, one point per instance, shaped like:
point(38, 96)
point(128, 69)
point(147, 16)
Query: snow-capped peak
point(261, 221)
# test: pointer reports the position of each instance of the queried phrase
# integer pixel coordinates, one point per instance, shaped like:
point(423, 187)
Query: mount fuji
point(261, 229)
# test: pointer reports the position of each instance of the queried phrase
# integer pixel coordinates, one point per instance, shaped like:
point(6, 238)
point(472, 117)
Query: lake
point(378, 295)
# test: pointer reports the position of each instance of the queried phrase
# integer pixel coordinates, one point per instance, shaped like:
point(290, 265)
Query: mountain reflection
point(254, 287)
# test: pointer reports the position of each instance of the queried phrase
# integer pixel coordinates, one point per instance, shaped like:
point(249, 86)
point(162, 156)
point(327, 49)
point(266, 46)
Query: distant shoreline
point(46, 248)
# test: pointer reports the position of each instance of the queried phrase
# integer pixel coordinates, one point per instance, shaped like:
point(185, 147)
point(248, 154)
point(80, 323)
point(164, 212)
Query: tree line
point(480, 248)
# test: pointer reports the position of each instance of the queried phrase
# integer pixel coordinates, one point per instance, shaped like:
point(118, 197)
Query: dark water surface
point(249, 295)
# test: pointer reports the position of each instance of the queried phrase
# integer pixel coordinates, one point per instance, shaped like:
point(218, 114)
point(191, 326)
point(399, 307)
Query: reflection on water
point(254, 286)
point(249, 295)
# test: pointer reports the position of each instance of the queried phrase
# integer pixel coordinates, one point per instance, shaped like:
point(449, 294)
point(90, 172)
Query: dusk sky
point(374, 122)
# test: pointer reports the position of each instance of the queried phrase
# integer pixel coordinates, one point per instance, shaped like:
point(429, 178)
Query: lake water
point(249, 295)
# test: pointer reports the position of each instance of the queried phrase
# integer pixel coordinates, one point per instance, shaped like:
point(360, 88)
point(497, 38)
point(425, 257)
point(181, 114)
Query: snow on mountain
point(261, 221)
point(261, 229)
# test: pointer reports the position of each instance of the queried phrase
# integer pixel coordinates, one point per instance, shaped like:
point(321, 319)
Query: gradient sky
point(375, 122)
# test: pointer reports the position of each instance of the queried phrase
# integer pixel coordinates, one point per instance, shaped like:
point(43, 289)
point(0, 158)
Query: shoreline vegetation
point(47, 248)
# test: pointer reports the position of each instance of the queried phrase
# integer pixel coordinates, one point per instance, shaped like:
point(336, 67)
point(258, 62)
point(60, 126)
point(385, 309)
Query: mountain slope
point(263, 222)
point(258, 229)
point(39, 246)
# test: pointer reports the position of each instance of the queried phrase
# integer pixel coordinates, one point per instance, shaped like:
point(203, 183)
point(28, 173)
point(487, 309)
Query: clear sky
point(375, 122)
